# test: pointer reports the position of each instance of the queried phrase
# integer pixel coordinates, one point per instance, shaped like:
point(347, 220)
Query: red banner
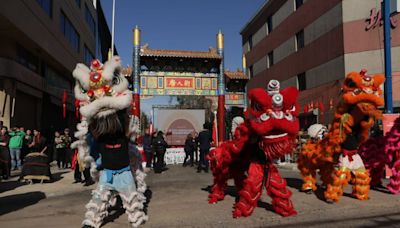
point(179, 83)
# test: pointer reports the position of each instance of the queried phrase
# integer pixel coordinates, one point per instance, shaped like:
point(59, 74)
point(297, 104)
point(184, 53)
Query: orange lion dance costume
point(336, 156)
point(267, 133)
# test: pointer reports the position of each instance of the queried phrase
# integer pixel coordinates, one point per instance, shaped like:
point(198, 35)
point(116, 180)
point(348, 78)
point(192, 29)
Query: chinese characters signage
point(179, 83)
point(376, 19)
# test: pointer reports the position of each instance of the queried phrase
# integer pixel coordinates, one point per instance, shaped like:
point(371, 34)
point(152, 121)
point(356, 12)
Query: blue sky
point(181, 24)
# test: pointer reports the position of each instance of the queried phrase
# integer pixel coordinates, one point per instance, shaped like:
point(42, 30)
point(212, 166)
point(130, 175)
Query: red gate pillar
point(221, 89)
point(136, 73)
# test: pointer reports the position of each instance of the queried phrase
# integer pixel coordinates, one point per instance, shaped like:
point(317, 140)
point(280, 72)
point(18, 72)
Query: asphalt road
point(178, 198)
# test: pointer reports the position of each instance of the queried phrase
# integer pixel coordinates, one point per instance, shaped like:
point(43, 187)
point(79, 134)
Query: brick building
point(313, 44)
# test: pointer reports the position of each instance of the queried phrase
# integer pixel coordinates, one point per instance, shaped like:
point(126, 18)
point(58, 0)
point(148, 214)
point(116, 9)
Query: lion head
point(273, 116)
point(362, 96)
point(101, 89)
point(104, 98)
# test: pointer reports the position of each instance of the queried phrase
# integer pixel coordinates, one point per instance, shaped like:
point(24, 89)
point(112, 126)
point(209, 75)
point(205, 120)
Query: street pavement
point(178, 198)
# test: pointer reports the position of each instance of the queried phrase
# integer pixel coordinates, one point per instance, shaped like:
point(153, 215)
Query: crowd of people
point(197, 146)
point(19, 146)
point(15, 145)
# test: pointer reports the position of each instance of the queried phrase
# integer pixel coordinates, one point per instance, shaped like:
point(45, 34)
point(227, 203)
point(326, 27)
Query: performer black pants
point(61, 157)
point(187, 155)
point(203, 164)
point(149, 156)
point(5, 162)
point(196, 154)
point(160, 161)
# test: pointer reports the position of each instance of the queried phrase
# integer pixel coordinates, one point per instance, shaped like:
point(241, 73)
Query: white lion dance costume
point(105, 136)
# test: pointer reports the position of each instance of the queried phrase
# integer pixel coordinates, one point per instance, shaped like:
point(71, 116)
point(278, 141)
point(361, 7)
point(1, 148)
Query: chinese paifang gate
point(105, 141)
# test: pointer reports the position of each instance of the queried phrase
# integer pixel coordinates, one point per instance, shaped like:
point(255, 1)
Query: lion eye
point(116, 80)
point(351, 84)
point(256, 106)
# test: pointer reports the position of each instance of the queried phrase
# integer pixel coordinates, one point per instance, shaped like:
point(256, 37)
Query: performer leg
point(325, 173)
point(308, 172)
point(334, 189)
point(218, 188)
point(251, 191)
point(361, 184)
point(132, 199)
point(191, 158)
point(239, 176)
point(394, 185)
point(97, 207)
point(309, 181)
point(276, 189)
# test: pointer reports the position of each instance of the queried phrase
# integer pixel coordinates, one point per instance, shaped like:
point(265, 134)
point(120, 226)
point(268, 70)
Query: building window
point(299, 40)
point(78, 2)
point(251, 74)
point(270, 59)
point(88, 56)
point(46, 6)
point(90, 20)
point(69, 31)
point(250, 42)
point(54, 79)
point(269, 25)
point(298, 3)
point(301, 81)
point(27, 59)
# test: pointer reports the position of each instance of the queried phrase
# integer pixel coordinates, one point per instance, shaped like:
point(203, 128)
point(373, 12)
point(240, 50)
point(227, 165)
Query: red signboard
point(179, 83)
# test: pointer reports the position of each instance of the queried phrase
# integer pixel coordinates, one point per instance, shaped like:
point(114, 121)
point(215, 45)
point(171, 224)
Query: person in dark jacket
point(205, 139)
point(4, 154)
point(189, 149)
point(147, 148)
point(160, 147)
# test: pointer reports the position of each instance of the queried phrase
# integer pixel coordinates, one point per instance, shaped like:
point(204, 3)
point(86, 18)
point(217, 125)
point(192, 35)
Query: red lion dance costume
point(381, 151)
point(336, 156)
point(267, 134)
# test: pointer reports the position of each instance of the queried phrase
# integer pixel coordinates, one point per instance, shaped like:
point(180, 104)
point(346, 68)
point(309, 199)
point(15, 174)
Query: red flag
point(305, 108)
point(151, 128)
point(321, 106)
point(64, 101)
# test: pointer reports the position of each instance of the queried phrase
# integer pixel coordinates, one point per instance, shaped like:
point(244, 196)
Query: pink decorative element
point(381, 151)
